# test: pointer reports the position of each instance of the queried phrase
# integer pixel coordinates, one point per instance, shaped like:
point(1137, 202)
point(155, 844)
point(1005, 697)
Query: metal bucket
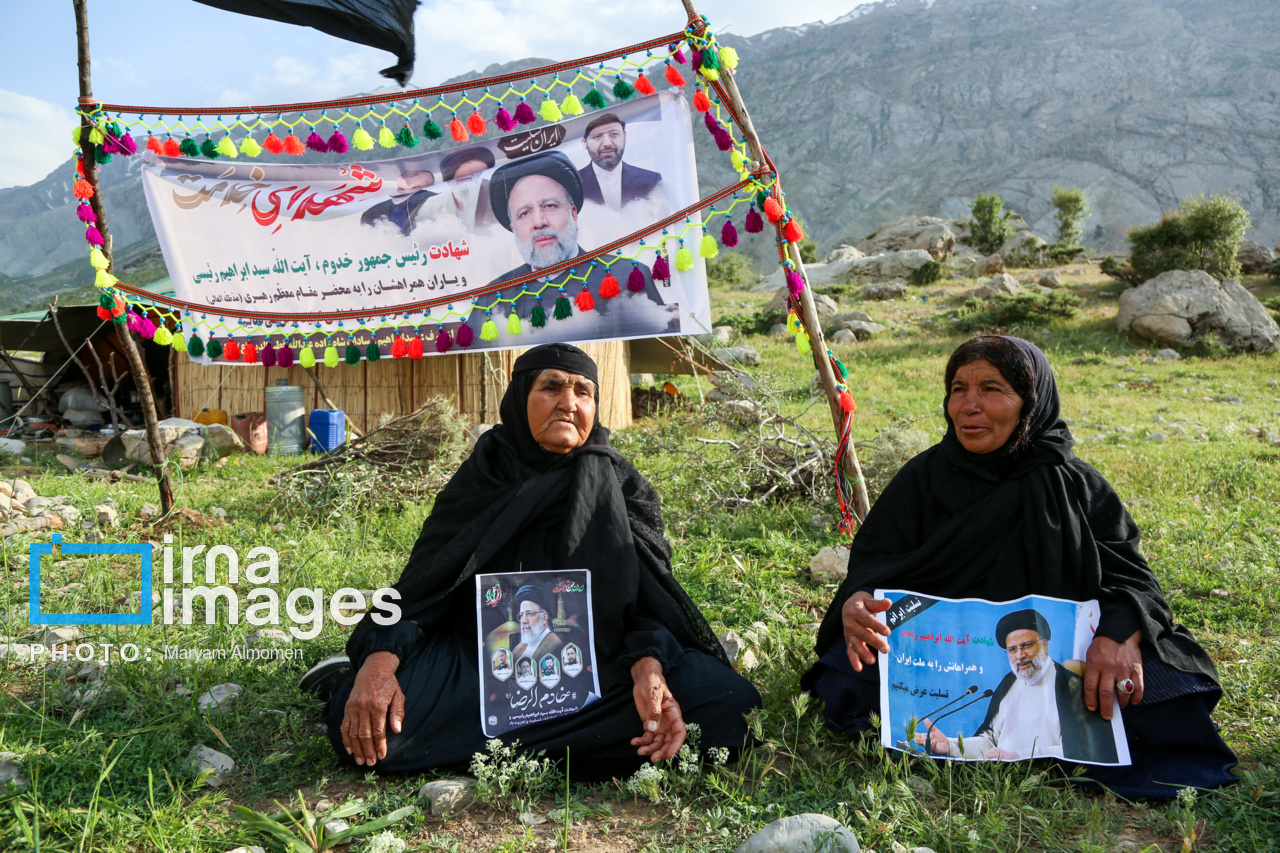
point(286, 420)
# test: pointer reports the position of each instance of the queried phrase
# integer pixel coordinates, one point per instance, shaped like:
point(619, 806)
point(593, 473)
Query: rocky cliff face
point(916, 106)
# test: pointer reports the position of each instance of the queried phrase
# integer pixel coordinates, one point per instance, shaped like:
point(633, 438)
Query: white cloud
point(37, 137)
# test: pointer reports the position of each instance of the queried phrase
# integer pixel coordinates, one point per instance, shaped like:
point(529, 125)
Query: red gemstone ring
point(1126, 687)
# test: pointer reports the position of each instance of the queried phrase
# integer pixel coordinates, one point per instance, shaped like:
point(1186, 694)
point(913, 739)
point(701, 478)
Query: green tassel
point(684, 259)
point(163, 337)
point(360, 139)
point(710, 59)
point(709, 248)
point(209, 149)
point(489, 331)
point(622, 90)
point(549, 110)
point(430, 130)
point(227, 148)
point(538, 317)
point(188, 147)
point(760, 199)
point(594, 99)
point(513, 323)
point(563, 310)
point(802, 342)
point(571, 106)
point(844, 371)
point(195, 347)
point(386, 138)
point(214, 349)
point(307, 357)
point(371, 352)
point(406, 138)
point(100, 155)
point(106, 300)
point(352, 355)
point(250, 147)
point(331, 356)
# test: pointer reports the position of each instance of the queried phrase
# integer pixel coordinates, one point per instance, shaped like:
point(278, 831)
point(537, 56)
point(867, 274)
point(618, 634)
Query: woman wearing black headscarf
point(999, 509)
point(542, 490)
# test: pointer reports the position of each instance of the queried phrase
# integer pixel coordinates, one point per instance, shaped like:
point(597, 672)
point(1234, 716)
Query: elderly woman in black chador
point(999, 509)
point(542, 490)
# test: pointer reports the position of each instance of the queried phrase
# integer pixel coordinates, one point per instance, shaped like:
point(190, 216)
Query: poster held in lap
point(537, 647)
point(981, 680)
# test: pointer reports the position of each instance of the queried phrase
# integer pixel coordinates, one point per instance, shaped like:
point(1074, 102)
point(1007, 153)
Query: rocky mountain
point(916, 106)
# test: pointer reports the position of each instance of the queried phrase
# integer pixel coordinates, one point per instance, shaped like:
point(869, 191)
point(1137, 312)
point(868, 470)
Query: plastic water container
point(328, 429)
point(211, 416)
point(286, 419)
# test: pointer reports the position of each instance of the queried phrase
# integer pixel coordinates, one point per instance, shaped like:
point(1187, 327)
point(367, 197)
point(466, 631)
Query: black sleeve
point(401, 639)
point(646, 637)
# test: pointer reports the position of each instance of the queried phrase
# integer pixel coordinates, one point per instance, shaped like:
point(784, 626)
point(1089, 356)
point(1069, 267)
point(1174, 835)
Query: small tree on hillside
point(991, 225)
point(1202, 234)
point(1073, 210)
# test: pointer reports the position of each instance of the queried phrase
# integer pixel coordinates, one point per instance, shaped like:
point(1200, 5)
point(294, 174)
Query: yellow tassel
point(489, 331)
point(513, 323)
point(331, 354)
point(96, 137)
point(386, 139)
point(179, 342)
point(361, 139)
point(684, 260)
point(793, 324)
point(729, 58)
point(75, 134)
point(709, 248)
point(250, 147)
point(802, 343)
point(98, 260)
point(549, 110)
point(104, 279)
point(307, 358)
point(709, 73)
point(227, 148)
point(739, 162)
point(163, 337)
point(571, 105)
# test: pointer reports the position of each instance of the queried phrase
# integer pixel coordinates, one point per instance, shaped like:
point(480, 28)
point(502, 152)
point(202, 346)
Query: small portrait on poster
point(541, 622)
point(501, 664)
point(572, 657)
point(978, 680)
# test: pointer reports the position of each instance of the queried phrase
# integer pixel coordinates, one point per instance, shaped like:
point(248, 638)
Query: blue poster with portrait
point(980, 680)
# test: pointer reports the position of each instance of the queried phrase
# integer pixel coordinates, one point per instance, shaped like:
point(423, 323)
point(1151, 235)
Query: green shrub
point(732, 271)
point(1202, 234)
point(808, 251)
point(1030, 255)
point(991, 225)
point(927, 273)
point(1120, 272)
point(1072, 210)
point(748, 324)
point(1272, 304)
point(1025, 309)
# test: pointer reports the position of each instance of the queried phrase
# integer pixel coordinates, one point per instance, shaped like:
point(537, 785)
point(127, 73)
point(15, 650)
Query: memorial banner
point(975, 680)
point(469, 228)
point(537, 647)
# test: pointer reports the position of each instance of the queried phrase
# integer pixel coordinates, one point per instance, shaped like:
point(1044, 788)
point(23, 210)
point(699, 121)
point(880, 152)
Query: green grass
point(1208, 503)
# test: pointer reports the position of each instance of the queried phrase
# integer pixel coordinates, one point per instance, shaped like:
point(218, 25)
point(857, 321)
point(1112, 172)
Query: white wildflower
point(719, 755)
point(386, 842)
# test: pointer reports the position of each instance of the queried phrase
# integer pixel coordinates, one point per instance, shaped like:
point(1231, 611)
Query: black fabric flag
point(384, 24)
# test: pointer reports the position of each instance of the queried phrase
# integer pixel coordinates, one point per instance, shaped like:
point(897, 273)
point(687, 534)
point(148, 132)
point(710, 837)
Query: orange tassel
point(293, 145)
point(119, 308)
point(79, 168)
point(398, 348)
point(231, 352)
point(793, 232)
point(701, 102)
point(415, 347)
point(643, 86)
point(476, 124)
point(459, 131)
point(846, 402)
point(584, 300)
point(673, 76)
point(272, 143)
point(609, 287)
point(154, 144)
point(249, 355)
point(772, 209)
point(104, 315)
point(172, 149)
point(83, 189)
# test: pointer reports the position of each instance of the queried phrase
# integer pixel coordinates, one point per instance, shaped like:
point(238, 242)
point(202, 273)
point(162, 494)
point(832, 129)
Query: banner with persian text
point(469, 229)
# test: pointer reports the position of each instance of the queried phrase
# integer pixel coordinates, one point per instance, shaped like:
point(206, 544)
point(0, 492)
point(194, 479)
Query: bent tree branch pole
point(851, 468)
point(138, 367)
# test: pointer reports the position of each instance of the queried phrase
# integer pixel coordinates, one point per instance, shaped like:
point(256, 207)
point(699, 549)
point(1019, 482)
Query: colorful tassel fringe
point(231, 352)
point(802, 343)
point(250, 147)
point(331, 356)
point(701, 102)
point(361, 139)
point(293, 145)
point(524, 113)
point(338, 143)
point(571, 106)
point(622, 90)
point(188, 147)
point(352, 355)
point(550, 110)
point(476, 124)
point(643, 86)
point(274, 145)
point(315, 142)
point(444, 342)
point(163, 336)
point(406, 138)
point(661, 270)
point(585, 301)
point(538, 316)
point(464, 337)
point(595, 99)
point(795, 284)
point(248, 355)
point(415, 347)
point(673, 76)
point(430, 130)
point(609, 286)
point(268, 355)
point(729, 235)
point(504, 121)
point(307, 357)
point(754, 222)
point(214, 349)
point(563, 309)
point(372, 353)
point(709, 248)
point(386, 138)
point(773, 210)
point(489, 331)
point(792, 232)
point(398, 347)
point(635, 281)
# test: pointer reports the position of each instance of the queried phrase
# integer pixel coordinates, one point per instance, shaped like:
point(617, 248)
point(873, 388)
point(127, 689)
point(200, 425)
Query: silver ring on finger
point(1126, 686)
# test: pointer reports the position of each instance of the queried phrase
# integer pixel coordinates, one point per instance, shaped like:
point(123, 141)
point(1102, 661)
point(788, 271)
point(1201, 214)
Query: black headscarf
point(510, 486)
point(955, 524)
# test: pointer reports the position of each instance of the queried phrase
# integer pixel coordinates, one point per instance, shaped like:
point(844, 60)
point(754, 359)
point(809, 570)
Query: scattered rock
point(1001, 284)
point(267, 636)
point(862, 330)
point(220, 696)
point(333, 827)
point(1156, 436)
point(888, 265)
point(779, 330)
point(732, 644)
point(880, 291)
point(723, 335)
point(1050, 279)
point(843, 336)
point(1168, 354)
point(990, 265)
point(830, 564)
point(217, 512)
point(91, 671)
point(279, 527)
point(738, 355)
point(69, 514)
point(748, 660)
point(11, 771)
point(252, 848)
point(60, 636)
point(927, 233)
point(532, 819)
point(448, 795)
point(843, 252)
point(322, 805)
point(813, 833)
point(1254, 258)
point(148, 511)
point(19, 652)
point(108, 516)
point(839, 320)
point(1178, 306)
point(202, 759)
point(1220, 593)
point(220, 440)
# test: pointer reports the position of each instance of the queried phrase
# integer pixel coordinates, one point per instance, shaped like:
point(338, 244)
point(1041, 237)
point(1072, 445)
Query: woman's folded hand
point(1106, 663)
point(664, 730)
point(375, 698)
point(864, 634)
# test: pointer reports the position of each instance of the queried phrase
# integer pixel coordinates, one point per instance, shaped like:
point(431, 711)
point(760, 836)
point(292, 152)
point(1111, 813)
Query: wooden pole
point(137, 366)
point(809, 311)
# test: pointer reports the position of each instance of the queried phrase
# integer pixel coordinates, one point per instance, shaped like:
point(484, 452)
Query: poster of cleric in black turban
point(537, 650)
point(472, 226)
point(978, 680)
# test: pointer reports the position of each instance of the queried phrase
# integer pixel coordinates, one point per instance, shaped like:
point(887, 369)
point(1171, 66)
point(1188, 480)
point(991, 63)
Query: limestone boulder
point(888, 265)
point(811, 833)
point(1001, 284)
point(877, 291)
point(926, 233)
point(1254, 258)
point(819, 276)
point(840, 254)
point(220, 440)
point(830, 564)
point(1050, 279)
point(1179, 306)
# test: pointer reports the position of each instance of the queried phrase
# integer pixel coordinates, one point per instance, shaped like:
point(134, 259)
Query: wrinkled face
point(533, 621)
point(544, 221)
point(561, 409)
point(605, 145)
point(1028, 654)
point(410, 182)
point(983, 406)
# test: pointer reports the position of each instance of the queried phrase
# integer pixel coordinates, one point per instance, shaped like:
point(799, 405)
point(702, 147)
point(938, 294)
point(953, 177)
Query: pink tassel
point(443, 342)
point(268, 355)
point(338, 143)
point(711, 122)
point(284, 356)
point(728, 235)
point(131, 321)
point(94, 236)
point(795, 284)
point(679, 56)
point(661, 270)
point(524, 113)
point(504, 121)
point(464, 336)
point(146, 328)
point(635, 281)
point(697, 59)
point(85, 214)
point(723, 140)
point(755, 222)
point(315, 142)
point(127, 146)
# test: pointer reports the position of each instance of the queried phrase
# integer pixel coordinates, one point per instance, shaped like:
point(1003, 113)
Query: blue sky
point(184, 53)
